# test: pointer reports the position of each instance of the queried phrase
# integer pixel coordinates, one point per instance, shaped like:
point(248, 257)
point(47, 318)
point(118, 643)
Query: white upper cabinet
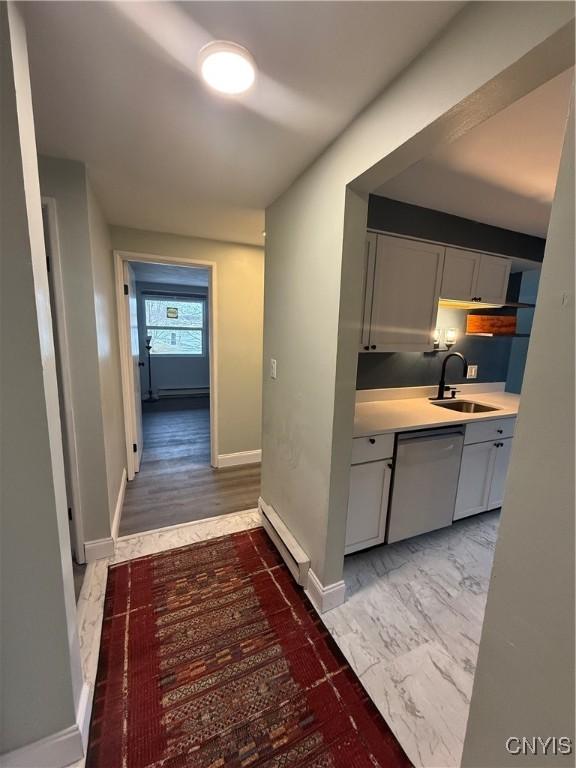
point(403, 281)
point(471, 276)
point(492, 281)
point(460, 274)
point(406, 289)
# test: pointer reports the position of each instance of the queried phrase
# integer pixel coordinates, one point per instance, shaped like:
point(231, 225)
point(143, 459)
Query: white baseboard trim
point(119, 505)
point(98, 548)
point(325, 598)
point(55, 751)
point(84, 713)
point(236, 459)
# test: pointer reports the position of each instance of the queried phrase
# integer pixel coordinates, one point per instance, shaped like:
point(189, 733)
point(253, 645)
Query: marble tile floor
point(410, 629)
point(90, 605)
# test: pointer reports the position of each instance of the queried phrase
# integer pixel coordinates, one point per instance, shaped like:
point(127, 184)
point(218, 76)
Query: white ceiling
point(166, 274)
point(501, 173)
point(115, 85)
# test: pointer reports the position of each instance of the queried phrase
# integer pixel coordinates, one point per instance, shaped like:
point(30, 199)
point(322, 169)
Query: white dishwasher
point(425, 481)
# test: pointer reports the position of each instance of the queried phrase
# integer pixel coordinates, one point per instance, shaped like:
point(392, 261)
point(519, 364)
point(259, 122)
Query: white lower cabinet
point(482, 477)
point(368, 504)
point(501, 464)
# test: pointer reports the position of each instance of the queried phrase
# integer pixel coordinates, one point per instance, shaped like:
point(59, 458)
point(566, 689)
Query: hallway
point(176, 483)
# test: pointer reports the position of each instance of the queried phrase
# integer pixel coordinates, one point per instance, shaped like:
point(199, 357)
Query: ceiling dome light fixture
point(227, 67)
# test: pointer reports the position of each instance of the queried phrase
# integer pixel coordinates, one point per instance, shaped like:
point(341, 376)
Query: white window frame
point(198, 298)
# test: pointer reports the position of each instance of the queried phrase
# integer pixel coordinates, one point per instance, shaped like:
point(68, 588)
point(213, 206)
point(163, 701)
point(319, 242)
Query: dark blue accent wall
point(390, 215)
point(415, 369)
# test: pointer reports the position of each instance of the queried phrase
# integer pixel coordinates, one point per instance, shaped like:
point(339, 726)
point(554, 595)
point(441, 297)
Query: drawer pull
point(371, 440)
point(500, 431)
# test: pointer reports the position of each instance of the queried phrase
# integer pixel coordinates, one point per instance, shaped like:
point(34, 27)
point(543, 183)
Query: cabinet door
point(459, 274)
point(369, 261)
point(475, 479)
point(407, 281)
point(503, 449)
point(492, 281)
point(367, 505)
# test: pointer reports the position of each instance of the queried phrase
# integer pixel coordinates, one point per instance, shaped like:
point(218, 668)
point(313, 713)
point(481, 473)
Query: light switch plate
point(273, 370)
point(472, 372)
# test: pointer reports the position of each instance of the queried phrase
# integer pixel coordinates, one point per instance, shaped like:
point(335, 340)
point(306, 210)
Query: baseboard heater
point(292, 553)
point(164, 392)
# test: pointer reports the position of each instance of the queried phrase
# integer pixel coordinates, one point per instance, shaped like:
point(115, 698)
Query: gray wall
point(314, 249)
point(86, 279)
point(524, 684)
point(40, 668)
point(110, 404)
point(181, 373)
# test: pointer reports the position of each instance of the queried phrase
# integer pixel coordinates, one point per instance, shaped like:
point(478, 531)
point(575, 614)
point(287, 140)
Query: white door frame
point(71, 449)
point(125, 352)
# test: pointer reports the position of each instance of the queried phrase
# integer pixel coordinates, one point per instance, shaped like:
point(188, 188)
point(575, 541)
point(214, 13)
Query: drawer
point(372, 448)
point(494, 429)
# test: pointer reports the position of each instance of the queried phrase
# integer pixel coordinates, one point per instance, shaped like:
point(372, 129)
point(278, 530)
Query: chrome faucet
point(442, 384)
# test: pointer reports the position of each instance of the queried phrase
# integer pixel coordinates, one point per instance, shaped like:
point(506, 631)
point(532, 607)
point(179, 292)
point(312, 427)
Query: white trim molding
point(69, 426)
point(98, 549)
point(325, 598)
point(125, 362)
point(84, 713)
point(237, 459)
point(54, 751)
point(119, 505)
point(292, 553)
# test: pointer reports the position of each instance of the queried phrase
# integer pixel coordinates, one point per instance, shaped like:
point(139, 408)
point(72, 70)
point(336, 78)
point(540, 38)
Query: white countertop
point(377, 417)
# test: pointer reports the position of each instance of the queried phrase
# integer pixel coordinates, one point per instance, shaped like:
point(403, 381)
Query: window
point(176, 325)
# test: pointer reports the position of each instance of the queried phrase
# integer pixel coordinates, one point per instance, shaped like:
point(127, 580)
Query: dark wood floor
point(176, 483)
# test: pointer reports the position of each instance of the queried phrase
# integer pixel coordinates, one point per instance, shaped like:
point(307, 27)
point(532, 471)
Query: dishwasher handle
point(437, 434)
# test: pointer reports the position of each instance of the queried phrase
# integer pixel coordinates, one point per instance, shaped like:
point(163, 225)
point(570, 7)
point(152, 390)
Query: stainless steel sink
point(464, 406)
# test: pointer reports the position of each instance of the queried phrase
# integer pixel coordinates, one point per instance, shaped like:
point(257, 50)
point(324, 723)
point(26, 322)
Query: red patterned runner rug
point(212, 657)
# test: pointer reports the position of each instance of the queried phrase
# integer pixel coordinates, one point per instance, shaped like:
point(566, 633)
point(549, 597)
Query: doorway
point(168, 340)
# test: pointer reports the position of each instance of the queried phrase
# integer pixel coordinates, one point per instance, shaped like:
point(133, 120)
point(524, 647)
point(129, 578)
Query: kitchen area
point(430, 454)
point(453, 254)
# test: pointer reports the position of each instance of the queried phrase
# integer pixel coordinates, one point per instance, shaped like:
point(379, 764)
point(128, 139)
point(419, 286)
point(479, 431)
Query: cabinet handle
point(371, 440)
point(366, 347)
point(498, 445)
point(390, 465)
point(500, 431)
point(373, 346)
